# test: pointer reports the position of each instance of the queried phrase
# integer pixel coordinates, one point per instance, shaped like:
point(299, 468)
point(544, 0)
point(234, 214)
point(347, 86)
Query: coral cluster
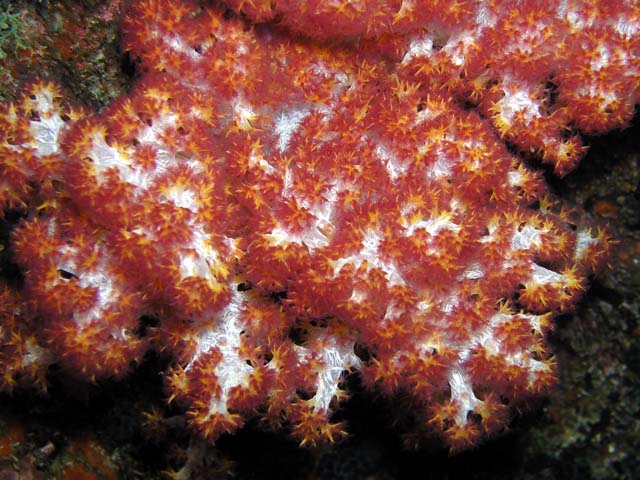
point(298, 190)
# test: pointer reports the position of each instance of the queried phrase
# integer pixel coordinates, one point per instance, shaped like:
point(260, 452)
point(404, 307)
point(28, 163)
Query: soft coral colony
point(295, 190)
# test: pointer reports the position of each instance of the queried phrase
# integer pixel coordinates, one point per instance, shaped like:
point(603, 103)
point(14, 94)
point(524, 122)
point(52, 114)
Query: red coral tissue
point(313, 188)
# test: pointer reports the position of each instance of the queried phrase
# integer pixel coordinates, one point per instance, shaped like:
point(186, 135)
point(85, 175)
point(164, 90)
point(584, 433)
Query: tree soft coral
point(290, 210)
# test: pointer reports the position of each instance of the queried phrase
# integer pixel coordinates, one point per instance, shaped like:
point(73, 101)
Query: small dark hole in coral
point(66, 274)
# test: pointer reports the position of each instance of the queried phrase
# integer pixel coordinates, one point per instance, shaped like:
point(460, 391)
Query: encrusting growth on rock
point(285, 196)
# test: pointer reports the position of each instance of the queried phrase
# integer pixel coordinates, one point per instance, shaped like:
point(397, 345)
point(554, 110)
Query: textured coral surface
point(295, 199)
